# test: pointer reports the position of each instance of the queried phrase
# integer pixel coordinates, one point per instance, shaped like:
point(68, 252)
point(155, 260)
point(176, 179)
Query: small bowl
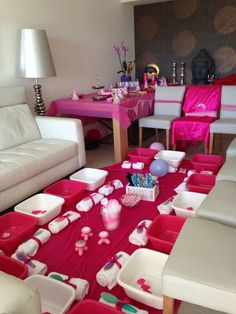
point(42, 206)
point(93, 177)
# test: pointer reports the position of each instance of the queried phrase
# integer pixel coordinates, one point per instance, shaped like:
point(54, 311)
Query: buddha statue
point(202, 67)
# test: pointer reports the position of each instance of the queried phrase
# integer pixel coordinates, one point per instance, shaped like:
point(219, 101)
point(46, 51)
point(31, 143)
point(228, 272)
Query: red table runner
point(59, 252)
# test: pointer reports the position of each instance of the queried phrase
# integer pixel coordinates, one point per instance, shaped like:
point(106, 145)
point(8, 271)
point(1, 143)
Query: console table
point(130, 109)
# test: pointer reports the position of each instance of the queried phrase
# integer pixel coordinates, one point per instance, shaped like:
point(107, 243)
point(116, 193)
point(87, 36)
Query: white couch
point(34, 151)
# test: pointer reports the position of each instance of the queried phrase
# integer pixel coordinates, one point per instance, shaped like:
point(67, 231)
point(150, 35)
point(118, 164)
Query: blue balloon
point(159, 167)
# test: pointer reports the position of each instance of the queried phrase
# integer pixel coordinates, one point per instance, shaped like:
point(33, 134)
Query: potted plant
point(126, 67)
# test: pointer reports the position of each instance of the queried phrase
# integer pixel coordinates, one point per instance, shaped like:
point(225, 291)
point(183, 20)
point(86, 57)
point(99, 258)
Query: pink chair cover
point(201, 104)
point(202, 99)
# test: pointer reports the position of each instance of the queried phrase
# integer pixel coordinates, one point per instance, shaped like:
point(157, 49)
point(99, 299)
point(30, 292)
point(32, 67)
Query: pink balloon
point(158, 146)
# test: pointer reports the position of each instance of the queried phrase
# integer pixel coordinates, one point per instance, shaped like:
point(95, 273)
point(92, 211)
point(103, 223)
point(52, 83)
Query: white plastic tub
point(143, 264)
point(94, 178)
point(172, 157)
point(56, 297)
point(186, 203)
point(44, 207)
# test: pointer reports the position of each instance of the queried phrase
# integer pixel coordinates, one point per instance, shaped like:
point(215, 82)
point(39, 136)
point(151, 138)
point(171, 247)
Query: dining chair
point(226, 124)
point(201, 105)
point(167, 106)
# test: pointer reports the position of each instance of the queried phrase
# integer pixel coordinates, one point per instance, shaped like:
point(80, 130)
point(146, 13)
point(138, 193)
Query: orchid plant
point(126, 67)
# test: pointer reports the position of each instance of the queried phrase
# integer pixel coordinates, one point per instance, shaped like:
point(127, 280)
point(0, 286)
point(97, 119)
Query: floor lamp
point(34, 60)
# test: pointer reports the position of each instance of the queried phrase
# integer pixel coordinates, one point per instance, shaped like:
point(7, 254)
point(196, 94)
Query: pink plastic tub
point(72, 191)
point(201, 183)
point(145, 155)
point(91, 306)
point(14, 229)
point(12, 267)
point(207, 162)
point(164, 231)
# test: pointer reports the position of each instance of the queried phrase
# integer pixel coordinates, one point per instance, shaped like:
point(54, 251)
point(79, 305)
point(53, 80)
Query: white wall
point(81, 35)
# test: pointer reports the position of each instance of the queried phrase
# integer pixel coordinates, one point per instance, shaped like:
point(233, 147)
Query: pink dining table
point(130, 109)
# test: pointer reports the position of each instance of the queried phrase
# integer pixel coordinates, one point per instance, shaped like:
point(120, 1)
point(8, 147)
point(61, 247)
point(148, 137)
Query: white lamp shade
point(34, 59)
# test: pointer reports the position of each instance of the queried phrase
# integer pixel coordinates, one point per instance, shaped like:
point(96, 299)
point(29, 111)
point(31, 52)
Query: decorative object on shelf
point(174, 76)
point(182, 73)
point(34, 60)
point(126, 67)
point(152, 69)
point(163, 81)
point(202, 66)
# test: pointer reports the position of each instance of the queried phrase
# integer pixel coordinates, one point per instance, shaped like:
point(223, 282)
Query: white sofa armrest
point(63, 128)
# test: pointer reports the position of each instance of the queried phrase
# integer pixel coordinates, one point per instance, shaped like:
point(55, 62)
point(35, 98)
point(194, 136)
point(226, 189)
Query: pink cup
point(111, 215)
point(111, 222)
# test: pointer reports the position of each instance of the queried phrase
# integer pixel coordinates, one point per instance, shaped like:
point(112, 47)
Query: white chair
point(167, 107)
point(227, 122)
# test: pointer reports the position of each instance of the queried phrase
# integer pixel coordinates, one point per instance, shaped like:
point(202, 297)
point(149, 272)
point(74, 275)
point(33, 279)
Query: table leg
point(120, 137)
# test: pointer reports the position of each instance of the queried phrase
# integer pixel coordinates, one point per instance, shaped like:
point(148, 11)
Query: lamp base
point(39, 107)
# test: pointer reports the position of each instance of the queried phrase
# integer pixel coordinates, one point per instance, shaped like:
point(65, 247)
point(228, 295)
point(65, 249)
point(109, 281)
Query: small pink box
point(145, 155)
point(164, 231)
point(14, 229)
point(91, 306)
point(72, 191)
point(207, 162)
point(201, 183)
point(12, 267)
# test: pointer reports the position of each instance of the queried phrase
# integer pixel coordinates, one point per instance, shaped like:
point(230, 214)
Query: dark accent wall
point(175, 32)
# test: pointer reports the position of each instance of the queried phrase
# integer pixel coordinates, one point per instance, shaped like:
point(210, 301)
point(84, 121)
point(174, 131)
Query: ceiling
point(139, 2)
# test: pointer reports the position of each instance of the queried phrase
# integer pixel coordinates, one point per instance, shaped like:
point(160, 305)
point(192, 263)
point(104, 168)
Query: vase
point(125, 78)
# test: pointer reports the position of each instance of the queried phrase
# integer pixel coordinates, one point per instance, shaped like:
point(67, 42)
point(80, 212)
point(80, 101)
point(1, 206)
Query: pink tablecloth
point(128, 110)
point(59, 254)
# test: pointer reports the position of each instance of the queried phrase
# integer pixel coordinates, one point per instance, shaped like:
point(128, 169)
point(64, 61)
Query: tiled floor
point(104, 156)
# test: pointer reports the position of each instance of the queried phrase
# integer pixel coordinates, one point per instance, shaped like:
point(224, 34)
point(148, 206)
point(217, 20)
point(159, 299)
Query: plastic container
point(207, 162)
point(143, 264)
point(93, 178)
point(72, 191)
point(91, 306)
point(147, 194)
point(201, 183)
point(44, 207)
point(56, 296)
point(186, 203)
point(172, 157)
point(12, 267)
point(145, 155)
point(164, 231)
point(14, 229)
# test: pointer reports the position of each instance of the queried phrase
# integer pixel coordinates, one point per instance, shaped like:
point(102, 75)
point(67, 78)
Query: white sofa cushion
point(228, 170)
point(27, 160)
point(219, 205)
point(17, 297)
point(201, 266)
point(17, 126)
point(231, 150)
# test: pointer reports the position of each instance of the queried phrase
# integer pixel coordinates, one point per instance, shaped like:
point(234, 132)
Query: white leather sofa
point(34, 151)
point(17, 297)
